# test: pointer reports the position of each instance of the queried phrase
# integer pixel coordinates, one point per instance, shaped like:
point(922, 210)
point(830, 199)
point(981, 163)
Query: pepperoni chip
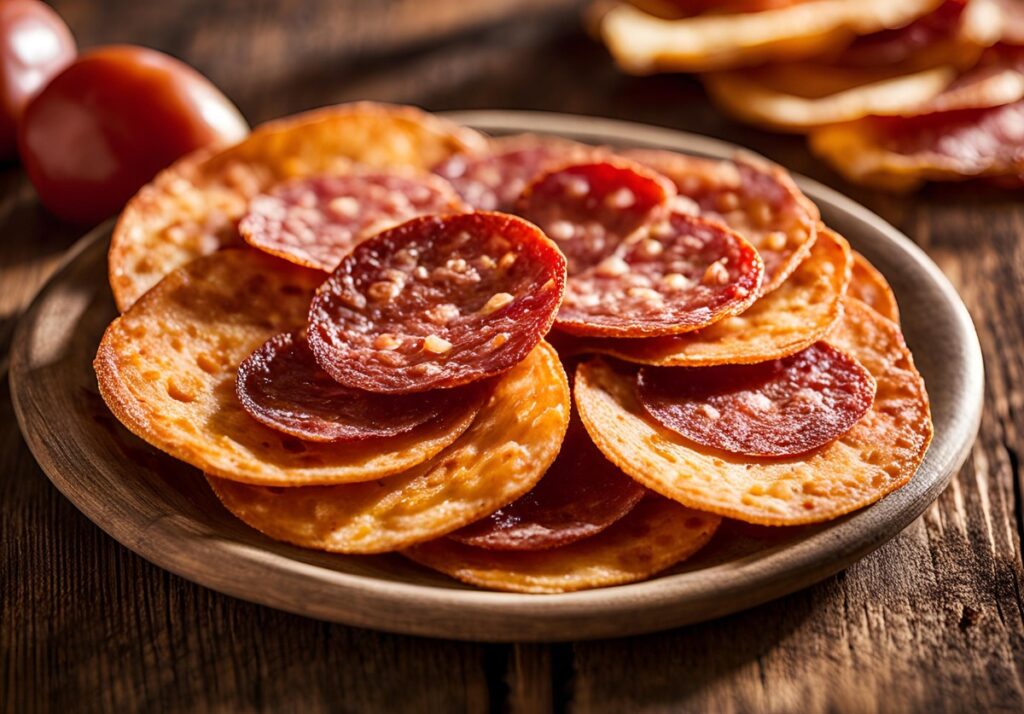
point(589, 209)
point(581, 494)
point(780, 408)
point(757, 199)
point(683, 274)
point(493, 182)
point(437, 302)
point(317, 221)
point(282, 386)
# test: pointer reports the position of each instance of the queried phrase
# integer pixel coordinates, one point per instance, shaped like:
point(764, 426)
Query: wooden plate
point(164, 511)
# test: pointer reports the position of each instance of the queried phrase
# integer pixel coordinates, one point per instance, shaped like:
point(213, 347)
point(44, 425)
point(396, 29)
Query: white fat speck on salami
point(437, 302)
point(317, 221)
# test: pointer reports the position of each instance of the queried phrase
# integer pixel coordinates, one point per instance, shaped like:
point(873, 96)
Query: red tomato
point(35, 44)
point(108, 123)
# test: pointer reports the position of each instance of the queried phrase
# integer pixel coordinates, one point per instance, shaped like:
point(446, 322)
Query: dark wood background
point(933, 621)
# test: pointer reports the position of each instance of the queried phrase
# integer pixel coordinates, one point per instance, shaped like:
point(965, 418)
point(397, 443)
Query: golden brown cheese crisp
point(643, 44)
point(786, 320)
point(509, 446)
point(878, 455)
point(166, 368)
point(655, 535)
point(192, 208)
point(868, 285)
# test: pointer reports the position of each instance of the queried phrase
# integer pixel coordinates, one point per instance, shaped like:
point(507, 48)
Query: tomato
point(35, 44)
point(109, 122)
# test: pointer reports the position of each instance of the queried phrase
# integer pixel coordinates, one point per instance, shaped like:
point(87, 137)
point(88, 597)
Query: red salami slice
point(493, 182)
point(780, 408)
point(589, 209)
point(757, 199)
point(888, 47)
point(581, 494)
point(683, 273)
point(283, 387)
point(317, 221)
point(437, 302)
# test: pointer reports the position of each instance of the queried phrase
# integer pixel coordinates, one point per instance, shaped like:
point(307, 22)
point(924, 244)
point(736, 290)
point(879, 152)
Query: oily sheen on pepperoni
point(780, 408)
point(589, 209)
point(682, 274)
point(493, 181)
point(437, 302)
point(581, 494)
point(317, 221)
point(282, 386)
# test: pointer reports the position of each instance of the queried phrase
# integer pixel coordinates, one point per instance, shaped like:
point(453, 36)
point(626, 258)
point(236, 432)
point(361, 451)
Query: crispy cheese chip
point(655, 535)
point(804, 96)
point(782, 322)
point(869, 286)
point(901, 153)
point(514, 439)
point(644, 44)
point(167, 366)
point(878, 455)
point(192, 208)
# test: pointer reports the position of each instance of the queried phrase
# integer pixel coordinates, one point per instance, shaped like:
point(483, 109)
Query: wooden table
point(932, 621)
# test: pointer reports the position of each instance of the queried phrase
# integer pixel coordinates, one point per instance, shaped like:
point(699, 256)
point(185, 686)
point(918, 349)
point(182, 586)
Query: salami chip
point(282, 386)
point(581, 494)
point(652, 537)
point(167, 367)
point(514, 439)
point(901, 153)
point(317, 221)
point(192, 208)
point(493, 181)
point(784, 407)
point(589, 209)
point(878, 455)
point(437, 302)
point(682, 274)
point(869, 286)
point(755, 198)
point(785, 321)
point(642, 43)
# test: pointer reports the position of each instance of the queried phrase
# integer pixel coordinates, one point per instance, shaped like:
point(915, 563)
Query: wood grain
point(931, 622)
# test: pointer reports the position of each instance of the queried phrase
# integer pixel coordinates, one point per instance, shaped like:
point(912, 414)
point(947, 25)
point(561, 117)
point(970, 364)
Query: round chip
point(901, 153)
point(682, 274)
point(653, 536)
point(784, 407)
point(757, 199)
point(590, 209)
point(317, 221)
point(166, 368)
point(642, 43)
point(192, 208)
point(581, 494)
point(869, 286)
point(493, 181)
point(878, 455)
point(437, 302)
point(282, 386)
point(514, 439)
point(787, 320)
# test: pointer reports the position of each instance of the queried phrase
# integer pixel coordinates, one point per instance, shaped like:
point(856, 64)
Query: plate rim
point(480, 615)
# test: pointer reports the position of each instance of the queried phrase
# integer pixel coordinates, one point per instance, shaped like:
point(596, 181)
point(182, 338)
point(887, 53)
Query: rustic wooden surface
point(934, 621)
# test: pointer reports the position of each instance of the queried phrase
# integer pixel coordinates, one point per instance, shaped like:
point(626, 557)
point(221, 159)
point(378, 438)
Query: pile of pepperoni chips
point(891, 94)
point(538, 366)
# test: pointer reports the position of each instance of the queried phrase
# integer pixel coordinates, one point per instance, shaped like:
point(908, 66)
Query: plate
point(163, 510)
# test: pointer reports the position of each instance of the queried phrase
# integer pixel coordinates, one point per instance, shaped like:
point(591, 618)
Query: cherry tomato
point(35, 44)
point(109, 122)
